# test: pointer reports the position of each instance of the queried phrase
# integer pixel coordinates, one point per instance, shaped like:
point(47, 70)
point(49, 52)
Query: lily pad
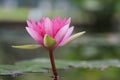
point(42, 66)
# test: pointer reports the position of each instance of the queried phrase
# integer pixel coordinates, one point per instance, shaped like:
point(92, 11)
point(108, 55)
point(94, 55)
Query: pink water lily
point(50, 34)
point(56, 30)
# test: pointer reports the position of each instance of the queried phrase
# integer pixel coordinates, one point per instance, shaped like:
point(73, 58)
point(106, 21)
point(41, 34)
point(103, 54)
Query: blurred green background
point(99, 18)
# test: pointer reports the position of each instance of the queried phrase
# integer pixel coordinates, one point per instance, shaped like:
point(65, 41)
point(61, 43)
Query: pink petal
point(58, 19)
point(48, 27)
point(64, 20)
point(56, 26)
point(66, 37)
point(40, 29)
point(42, 20)
point(68, 21)
point(33, 23)
point(35, 35)
point(29, 24)
point(61, 33)
point(39, 24)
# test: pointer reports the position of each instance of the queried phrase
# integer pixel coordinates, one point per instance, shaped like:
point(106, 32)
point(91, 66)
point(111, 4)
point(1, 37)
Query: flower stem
point(53, 65)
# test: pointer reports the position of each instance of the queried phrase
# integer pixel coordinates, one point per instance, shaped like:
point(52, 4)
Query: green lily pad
point(42, 66)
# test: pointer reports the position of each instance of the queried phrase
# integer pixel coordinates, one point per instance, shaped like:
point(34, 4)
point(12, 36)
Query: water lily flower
point(52, 33)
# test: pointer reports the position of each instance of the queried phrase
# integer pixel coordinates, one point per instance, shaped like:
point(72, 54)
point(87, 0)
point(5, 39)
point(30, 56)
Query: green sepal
point(49, 41)
point(75, 36)
point(32, 46)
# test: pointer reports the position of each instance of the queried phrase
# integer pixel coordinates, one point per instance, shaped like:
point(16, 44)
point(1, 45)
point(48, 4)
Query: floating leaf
point(32, 46)
point(9, 70)
point(42, 65)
